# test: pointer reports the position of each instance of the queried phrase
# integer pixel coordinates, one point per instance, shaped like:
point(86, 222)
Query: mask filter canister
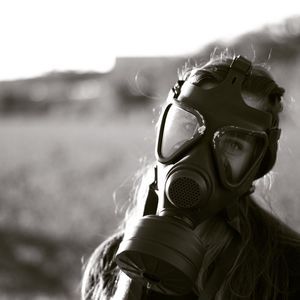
point(162, 253)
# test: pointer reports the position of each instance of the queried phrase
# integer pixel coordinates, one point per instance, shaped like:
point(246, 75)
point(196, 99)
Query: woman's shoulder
point(292, 255)
point(101, 272)
point(106, 251)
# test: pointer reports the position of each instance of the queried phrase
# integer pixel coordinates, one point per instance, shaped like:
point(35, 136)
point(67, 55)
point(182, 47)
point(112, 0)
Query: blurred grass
point(57, 181)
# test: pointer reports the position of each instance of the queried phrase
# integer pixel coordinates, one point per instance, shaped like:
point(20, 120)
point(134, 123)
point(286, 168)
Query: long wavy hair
point(261, 269)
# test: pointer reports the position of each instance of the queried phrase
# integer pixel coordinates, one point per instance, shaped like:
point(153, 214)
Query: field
point(61, 181)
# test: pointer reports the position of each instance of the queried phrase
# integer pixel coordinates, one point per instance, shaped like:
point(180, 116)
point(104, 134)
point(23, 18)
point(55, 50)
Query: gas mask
point(212, 144)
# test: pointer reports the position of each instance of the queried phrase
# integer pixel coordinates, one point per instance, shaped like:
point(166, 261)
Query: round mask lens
point(238, 151)
point(180, 127)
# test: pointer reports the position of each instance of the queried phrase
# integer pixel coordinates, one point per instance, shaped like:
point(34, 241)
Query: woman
point(205, 237)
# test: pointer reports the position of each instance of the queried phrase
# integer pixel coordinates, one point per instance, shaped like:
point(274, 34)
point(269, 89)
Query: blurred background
point(81, 88)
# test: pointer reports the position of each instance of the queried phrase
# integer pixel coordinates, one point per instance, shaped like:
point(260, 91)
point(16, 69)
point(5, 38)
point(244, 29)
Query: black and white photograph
point(149, 150)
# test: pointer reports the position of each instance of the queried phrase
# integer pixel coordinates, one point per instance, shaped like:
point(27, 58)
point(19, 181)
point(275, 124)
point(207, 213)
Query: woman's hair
point(261, 268)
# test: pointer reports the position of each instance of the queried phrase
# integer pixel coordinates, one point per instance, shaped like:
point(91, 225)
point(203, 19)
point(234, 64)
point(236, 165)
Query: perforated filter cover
point(186, 189)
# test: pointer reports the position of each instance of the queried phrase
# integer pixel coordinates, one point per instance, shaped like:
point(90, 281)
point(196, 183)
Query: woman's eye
point(233, 147)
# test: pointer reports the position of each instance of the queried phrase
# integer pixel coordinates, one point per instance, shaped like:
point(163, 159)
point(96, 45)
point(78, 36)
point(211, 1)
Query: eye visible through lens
point(237, 151)
point(234, 146)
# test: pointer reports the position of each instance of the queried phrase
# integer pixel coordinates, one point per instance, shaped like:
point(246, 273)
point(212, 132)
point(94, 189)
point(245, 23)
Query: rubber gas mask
point(212, 144)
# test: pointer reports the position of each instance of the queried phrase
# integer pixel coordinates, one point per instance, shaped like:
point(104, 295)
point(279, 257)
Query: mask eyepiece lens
point(180, 126)
point(237, 152)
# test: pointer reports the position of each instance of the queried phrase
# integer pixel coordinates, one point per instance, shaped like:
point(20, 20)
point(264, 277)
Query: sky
point(39, 36)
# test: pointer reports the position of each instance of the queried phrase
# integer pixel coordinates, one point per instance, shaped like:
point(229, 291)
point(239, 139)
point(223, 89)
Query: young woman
point(205, 236)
